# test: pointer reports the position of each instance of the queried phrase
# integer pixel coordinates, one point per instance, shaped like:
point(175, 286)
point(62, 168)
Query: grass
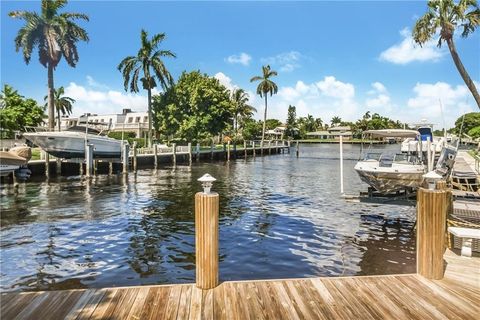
point(35, 154)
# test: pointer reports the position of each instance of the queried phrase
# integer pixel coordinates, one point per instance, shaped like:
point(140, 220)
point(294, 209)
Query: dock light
point(432, 177)
point(207, 182)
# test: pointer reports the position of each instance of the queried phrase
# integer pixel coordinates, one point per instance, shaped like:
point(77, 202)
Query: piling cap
point(207, 181)
point(432, 175)
point(207, 178)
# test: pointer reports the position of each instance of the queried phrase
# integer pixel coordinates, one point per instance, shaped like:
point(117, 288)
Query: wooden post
point(47, 164)
point(80, 168)
point(276, 147)
point(269, 146)
point(174, 155)
point(431, 223)
point(245, 151)
point(228, 151)
point(58, 167)
point(197, 151)
point(155, 155)
point(125, 157)
point(134, 156)
point(234, 150)
point(288, 146)
point(95, 166)
point(211, 151)
point(206, 239)
point(110, 167)
point(254, 152)
point(89, 159)
point(190, 153)
point(297, 151)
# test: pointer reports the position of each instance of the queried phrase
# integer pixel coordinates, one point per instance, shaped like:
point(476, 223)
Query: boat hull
point(71, 145)
point(388, 180)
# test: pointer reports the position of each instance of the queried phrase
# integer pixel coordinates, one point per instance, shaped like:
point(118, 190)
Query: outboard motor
point(446, 161)
point(23, 173)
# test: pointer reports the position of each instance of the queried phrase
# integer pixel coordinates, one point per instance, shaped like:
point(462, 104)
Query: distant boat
point(12, 160)
point(70, 144)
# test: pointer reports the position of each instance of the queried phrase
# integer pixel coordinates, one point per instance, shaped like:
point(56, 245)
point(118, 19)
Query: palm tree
point(148, 61)
point(265, 87)
point(445, 16)
point(242, 109)
point(55, 35)
point(62, 104)
point(336, 121)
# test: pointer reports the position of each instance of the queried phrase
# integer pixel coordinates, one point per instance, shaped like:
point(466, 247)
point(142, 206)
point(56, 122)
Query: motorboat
point(70, 144)
point(424, 140)
point(13, 160)
point(390, 171)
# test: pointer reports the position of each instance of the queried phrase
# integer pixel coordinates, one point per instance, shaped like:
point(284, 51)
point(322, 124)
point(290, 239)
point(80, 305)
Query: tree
point(251, 129)
point(148, 62)
point(195, 108)
point(271, 124)
point(290, 131)
point(470, 121)
point(319, 123)
point(335, 121)
point(62, 104)
point(55, 35)
point(16, 112)
point(241, 109)
point(265, 87)
point(445, 16)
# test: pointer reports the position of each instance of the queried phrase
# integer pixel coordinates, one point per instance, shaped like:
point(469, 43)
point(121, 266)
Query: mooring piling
point(206, 235)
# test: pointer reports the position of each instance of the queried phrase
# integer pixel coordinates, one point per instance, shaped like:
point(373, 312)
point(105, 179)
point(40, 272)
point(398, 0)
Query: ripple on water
point(281, 217)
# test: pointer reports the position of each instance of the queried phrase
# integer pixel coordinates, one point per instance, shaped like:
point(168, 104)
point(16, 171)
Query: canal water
point(280, 217)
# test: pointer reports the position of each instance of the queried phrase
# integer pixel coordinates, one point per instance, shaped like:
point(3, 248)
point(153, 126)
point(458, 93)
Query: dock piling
point(211, 151)
point(47, 164)
point(190, 153)
point(58, 167)
point(174, 154)
point(432, 206)
point(228, 151)
point(134, 156)
point(254, 152)
point(269, 147)
point(245, 151)
point(125, 157)
point(197, 152)
point(155, 155)
point(89, 159)
point(206, 235)
point(297, 151)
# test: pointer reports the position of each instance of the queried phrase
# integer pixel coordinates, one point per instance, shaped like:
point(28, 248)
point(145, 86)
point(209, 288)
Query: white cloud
point(102, 102)
point(381, 99)
point(407, 51)
point(92, 83)
point(455, 101)
point(242, 58)
point(286, 61)
point(325, 98)
point(225, 81)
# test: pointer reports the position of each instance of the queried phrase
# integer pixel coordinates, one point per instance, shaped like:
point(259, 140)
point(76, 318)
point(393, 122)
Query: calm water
point(280, 217)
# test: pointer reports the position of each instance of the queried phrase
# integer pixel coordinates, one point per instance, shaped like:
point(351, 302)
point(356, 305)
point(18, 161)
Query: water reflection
point(280, 217)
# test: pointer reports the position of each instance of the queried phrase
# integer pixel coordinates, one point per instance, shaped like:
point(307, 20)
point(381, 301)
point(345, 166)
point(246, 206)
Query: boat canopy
point(392, 133)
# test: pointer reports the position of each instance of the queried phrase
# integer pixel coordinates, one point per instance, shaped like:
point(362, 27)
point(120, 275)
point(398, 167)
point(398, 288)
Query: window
point(130, 119)
point(145, 119)
point(137, 119)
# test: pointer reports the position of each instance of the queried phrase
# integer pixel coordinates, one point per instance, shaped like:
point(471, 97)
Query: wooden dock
point(410, 296)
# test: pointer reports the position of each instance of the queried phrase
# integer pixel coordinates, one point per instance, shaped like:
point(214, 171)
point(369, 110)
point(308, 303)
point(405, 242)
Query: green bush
point(118, 135)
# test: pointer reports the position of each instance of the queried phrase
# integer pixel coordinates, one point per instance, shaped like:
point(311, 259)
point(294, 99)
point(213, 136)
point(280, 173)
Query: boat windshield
point(372, 156)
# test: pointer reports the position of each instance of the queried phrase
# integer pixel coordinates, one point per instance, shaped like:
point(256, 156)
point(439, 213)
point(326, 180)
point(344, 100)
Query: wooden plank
point(171, 308)
point(15, 306)
point(79, 305)
point(109, 297)
point(124, 305)
point(92, 304)
point(155, 303)
point(184, 302)
point(207, 306)
point(219, 305)
point(196, 303)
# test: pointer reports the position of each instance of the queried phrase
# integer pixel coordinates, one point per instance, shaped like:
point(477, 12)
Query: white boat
point(10, 161)
point(415, 144)
point(71, 144)
point(391, 172)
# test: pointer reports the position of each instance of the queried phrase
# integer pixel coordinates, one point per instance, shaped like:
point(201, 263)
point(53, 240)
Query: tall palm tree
point(336, 120)
point(148, 61)
point(55, 35)
point(265, 87)
point(242, 109)
point(445, 16)
point(62, 104)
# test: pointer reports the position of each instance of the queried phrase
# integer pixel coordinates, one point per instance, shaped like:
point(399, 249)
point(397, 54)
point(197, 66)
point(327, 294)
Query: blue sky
point(333, 58)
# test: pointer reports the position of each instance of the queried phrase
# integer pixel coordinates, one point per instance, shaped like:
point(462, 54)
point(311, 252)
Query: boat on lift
point(70, 144)
point(15, 161)
point(389, 172)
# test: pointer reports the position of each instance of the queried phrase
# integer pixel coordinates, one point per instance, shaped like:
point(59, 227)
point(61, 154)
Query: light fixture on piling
point(207, 182)
point(432, 177)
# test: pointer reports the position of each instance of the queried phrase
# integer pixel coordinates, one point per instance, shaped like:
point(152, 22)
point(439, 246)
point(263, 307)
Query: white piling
point(429, 155)
point(125, 157)
point(174, 153)
point(341, 164)
point(197, 152)
point(155, 155)
point(89, 159)
point(58, 167)
point(190, 153)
